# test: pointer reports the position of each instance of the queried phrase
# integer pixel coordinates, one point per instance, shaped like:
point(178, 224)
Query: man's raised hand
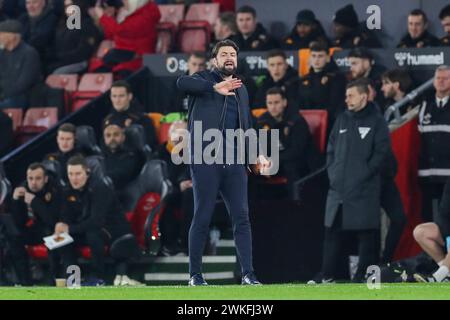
point(226, 87)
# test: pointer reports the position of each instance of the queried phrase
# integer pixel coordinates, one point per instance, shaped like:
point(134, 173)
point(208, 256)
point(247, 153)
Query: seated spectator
point(174, 232)
point(362, 65)
point(395, 85)
point(19, 65)
point(432, 237)
point(39, 199)
point(196, 63)
point(129, 111)
point(224, 28)
point(298, 154)
point(251, 36)
point(122, 164)
point(65, 139)
point(39, 24)
point(6, 134)
point(279, 74)
point(134, 34)
point(444, 16)
point(418, 35)
point(350, 33)
point(306, 30)
point(91, 215)
point(324, 86)
point(72, 49)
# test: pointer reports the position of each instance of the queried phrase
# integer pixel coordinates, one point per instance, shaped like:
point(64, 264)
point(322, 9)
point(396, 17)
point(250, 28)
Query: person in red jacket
point(133, 33)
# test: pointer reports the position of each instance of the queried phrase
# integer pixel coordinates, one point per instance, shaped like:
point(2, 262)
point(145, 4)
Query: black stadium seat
point(135, 139)
point(86, 141)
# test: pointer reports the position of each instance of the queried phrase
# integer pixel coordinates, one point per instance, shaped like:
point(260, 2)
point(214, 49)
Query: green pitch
point(232, 292)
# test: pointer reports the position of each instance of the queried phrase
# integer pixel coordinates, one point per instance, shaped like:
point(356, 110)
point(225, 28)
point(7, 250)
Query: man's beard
point(227, 72)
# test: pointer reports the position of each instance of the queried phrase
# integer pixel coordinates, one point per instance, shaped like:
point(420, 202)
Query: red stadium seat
point(96, 82)
point(195, 31)
point(203, 12)
point(38, 252)
point(165, 37)
point(91, 86)
point(36, 121)
point(171, 13)
point(68, 82)
point(163, 134)
point(16, 115)
point(42, 117)
point(317, 121)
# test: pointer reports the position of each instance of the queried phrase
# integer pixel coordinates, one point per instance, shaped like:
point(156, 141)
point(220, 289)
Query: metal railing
point(395, 108)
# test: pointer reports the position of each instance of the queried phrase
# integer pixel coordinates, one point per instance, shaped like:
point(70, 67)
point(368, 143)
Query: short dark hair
point(68, 127)
point(400, 76)
point(37, 165)
point(78, 160)
point(122, 84)
point(445, 12)
point(362, 85)
point(224, 43)
point(276, 90)
point(197, 54)
point(419, 12)
point(361, 53)
point(276, 53)
point(228, 19)
point(318, 46)
point(247, 9)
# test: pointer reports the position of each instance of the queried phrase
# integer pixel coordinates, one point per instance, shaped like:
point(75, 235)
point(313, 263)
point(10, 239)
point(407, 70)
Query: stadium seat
point(68, 82)
point(171, 15)
point(38, 252)
point(258, 112)
point(195, 31)
point(91, 86)
point(156, 120)
point(16, 115)
point(317, 121)
point(86, 141)
point(145, 197)
point(36, 121)
point(135, 139)
point(163, 134)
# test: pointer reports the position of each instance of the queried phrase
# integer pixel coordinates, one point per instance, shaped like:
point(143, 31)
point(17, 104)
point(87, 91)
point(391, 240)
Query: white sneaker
point(117, 280)
point(130, 282)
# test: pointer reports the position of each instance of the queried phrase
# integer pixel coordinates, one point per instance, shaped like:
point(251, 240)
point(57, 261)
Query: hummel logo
point(342, 130)
point(363, 131)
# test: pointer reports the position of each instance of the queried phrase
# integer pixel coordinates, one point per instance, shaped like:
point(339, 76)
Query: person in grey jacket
point(19, 65)
point(358, 146)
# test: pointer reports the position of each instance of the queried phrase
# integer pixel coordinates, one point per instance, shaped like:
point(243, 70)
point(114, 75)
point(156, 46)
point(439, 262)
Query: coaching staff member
point(358, 146)
point(219, 100)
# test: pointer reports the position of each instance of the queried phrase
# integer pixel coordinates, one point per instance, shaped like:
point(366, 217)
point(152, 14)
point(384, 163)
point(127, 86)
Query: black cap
point(306, 17)
point(11, 26)
point(347, 17)
point(113, 119)
point(361, 53)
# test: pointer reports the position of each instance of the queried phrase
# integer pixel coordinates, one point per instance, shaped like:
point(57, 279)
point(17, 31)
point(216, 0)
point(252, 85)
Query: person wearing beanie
point(418, 35)
point(19, 65)
point(349, 33)
point(306, 30)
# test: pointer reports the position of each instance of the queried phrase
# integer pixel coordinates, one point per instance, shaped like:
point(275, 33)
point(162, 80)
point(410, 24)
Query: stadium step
point(217, 269)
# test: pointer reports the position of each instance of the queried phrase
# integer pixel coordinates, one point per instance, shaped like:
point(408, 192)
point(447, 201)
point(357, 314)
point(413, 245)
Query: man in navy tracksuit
point(218, 100)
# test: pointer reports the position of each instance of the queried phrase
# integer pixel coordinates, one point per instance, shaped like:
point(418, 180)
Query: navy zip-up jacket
point(207, 106)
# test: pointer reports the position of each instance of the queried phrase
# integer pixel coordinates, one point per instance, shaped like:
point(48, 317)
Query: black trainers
point(197, 280)
point(250, 279)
